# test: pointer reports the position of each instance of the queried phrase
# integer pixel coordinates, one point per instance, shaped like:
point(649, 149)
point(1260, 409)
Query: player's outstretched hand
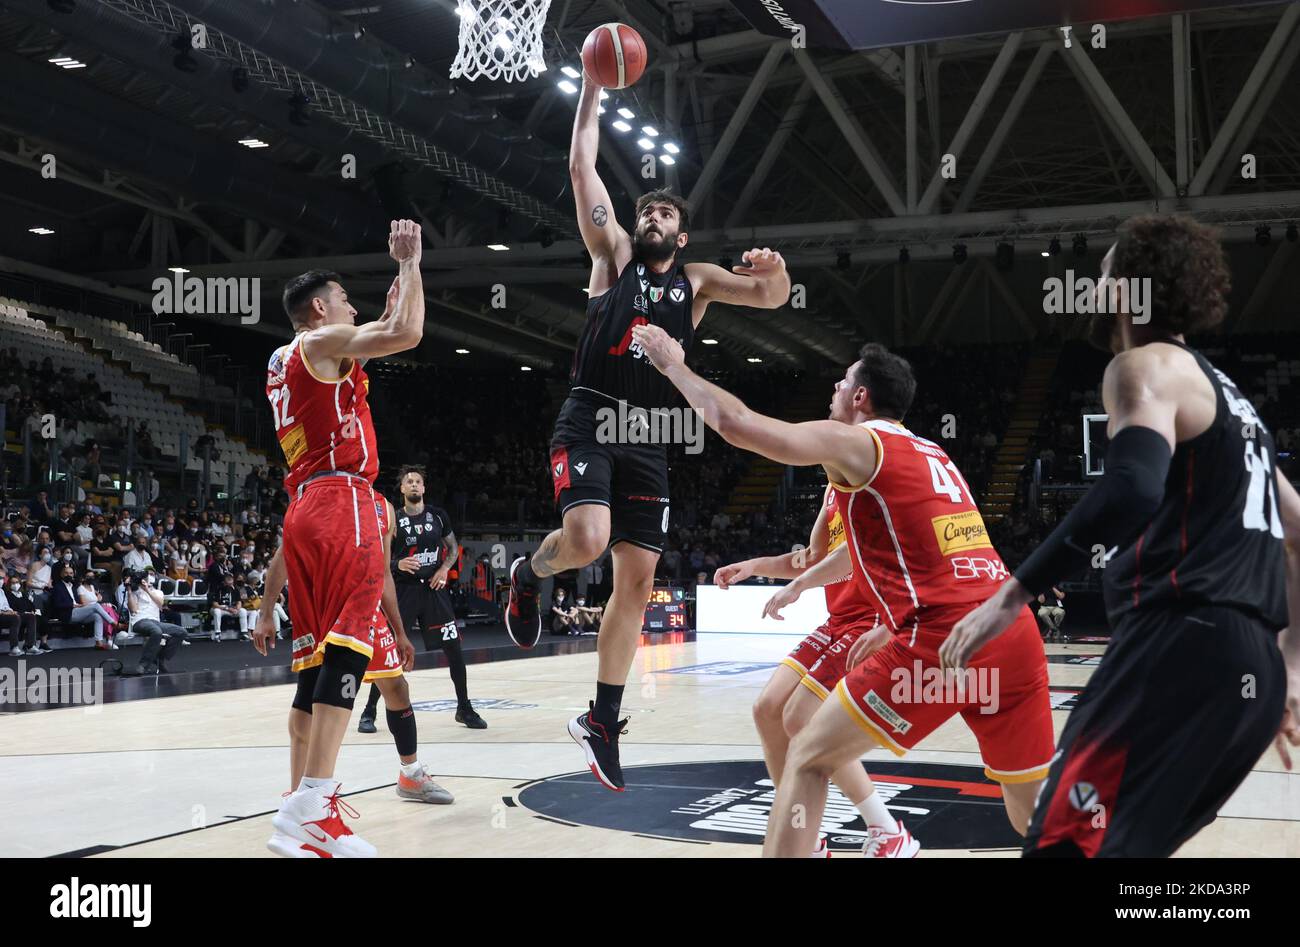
point(983, 624)
point(661, 348)
point(1288, 732)
point(404, 241)
point(868, 645)
point(762, 262)
point(263, 632)
point(733, 574)
point(788, 595)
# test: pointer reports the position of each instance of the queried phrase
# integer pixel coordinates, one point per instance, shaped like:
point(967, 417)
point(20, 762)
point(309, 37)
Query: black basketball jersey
point(1217, 537)
point(607, 361)
point(420, 536)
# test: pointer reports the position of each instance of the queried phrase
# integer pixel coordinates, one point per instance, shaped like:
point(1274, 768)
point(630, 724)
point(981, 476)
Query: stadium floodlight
point(671, 148)
point(571, 72)
point(567, 87)
point(622, 126)
point(667, 159)
point(646, 144)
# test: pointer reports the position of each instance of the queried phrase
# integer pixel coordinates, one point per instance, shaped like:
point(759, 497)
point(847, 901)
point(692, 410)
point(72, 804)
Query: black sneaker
point(367, 724)
point(600, 743)
point(470, 718)
point(523, 621)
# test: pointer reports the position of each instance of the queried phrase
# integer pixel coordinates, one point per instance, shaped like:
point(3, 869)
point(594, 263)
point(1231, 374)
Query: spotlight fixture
point(567, 87)
point(709, 341)
point(959, 253)
point(843, 260)
point(904, 255)
point(525, 368)
point(462, 351)
point(667, 159)
point(1263, 235)
point(1054, 247)
point(410, 62)
point(1080, 245)
point(358, 31)
point(1291, 234)
point(298, 114)
point(40, 231)
point(1004, 257)
point(239, 79)
point(622, 126)
point(754, 360)
point(571, 72)
point(497, 246)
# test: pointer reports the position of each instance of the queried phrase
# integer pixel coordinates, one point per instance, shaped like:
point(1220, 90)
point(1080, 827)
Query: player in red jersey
point(818, 663)
point(918, 548)
point(393, 655)
point(333, 545)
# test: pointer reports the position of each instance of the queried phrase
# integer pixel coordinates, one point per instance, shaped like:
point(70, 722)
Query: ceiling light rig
point(648, 142)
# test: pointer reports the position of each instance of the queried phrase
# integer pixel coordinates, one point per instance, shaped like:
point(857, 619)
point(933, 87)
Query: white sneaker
point(18, 652)
point(124, 636)
point(287, 847)
point(881, 844)
point(822, 850)
point(312, 817)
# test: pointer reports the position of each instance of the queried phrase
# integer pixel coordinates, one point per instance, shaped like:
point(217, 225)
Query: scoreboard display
point(666, 610)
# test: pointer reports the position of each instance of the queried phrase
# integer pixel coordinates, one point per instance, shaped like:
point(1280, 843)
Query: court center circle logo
point(945, 806)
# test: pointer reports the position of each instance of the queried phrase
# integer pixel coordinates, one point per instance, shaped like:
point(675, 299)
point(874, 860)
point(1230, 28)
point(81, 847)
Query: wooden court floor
point(200, 775)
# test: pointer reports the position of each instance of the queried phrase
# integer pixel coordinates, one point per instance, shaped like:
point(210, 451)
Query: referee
point(424, 550)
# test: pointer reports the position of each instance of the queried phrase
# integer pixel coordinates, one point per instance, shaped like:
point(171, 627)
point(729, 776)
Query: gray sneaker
point(18, 652)
point(422, 788)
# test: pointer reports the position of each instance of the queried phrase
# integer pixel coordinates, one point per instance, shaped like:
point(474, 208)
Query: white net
point(500, 39)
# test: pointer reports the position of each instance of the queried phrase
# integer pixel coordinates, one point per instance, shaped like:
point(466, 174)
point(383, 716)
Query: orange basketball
point(614, 55)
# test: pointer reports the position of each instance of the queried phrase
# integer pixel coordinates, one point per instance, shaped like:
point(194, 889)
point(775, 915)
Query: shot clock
point(666, 610)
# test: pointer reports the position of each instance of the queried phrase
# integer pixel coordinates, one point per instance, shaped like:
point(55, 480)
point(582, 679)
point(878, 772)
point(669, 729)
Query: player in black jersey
point(1201, 537)
point(424, 550)
point(612, 489)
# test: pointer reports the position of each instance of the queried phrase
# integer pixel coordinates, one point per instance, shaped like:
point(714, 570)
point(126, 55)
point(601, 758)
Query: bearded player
point(333, 547)
point(810, 672)
point(918, 550)
point(612, 489)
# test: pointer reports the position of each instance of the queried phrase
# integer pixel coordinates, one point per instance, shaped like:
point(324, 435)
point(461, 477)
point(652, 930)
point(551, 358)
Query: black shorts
point(630, 479)
point(427, 610)
point(350, 661)
point(1181, 708)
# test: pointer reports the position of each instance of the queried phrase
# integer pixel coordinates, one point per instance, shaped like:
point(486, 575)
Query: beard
point(654, 252)
point(414, 498)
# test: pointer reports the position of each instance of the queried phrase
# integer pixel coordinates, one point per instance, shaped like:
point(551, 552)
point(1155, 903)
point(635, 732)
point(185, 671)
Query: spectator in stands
point(563, 614)
point(18, 615)
point(250, 603)
point(82, 533)
point(223, 605)
point(21, 561)
point(92, 454)
point(1051, 609)
point(220, 567)
point(65, 607)
point(198, 553)
point(145, 604)
point(40, 579)
point(138, 559)
point(144, 442)
point(39, 509)
point(588, 616)
point(9, 542)
point(178, 563)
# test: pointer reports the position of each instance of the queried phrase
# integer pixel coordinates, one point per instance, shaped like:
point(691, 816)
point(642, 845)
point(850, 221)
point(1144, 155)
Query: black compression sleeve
point(1113, 511)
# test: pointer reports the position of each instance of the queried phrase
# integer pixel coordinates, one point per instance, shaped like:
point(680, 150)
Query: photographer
point(163, 639)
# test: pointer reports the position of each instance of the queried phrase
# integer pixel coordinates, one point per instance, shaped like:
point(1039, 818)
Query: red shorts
point(334, 560)
point(387, 660)
point(900, 696)
point(820, 658)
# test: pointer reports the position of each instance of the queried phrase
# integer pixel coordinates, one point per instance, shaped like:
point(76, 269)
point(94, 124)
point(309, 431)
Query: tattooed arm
point(762, 282)
point(608, 243)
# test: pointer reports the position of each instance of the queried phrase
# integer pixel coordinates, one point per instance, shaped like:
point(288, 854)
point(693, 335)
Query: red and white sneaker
point(287, 847)
point(312, 817)
point(822, 850)
point(881, 844)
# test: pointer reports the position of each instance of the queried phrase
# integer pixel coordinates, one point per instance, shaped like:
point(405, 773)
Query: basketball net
point(500, 39)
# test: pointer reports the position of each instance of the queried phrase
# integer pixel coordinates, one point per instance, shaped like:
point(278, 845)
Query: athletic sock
point(401, 724)
point(875, 814)
point(316, 782)
point(410, 769)
point(609, 699)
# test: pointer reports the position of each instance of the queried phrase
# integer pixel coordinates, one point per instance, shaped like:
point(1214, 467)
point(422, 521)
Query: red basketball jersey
point(919, 546)
point(845, 602)
point(322, 423)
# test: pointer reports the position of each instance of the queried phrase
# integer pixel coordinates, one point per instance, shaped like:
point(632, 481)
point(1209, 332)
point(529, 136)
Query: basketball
point(614, 55)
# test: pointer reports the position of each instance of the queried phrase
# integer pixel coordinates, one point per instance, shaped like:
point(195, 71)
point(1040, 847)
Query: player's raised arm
point(846, 451)
point(831, 568)
point(402, 325)
point(763, 283)
point(608, 243)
